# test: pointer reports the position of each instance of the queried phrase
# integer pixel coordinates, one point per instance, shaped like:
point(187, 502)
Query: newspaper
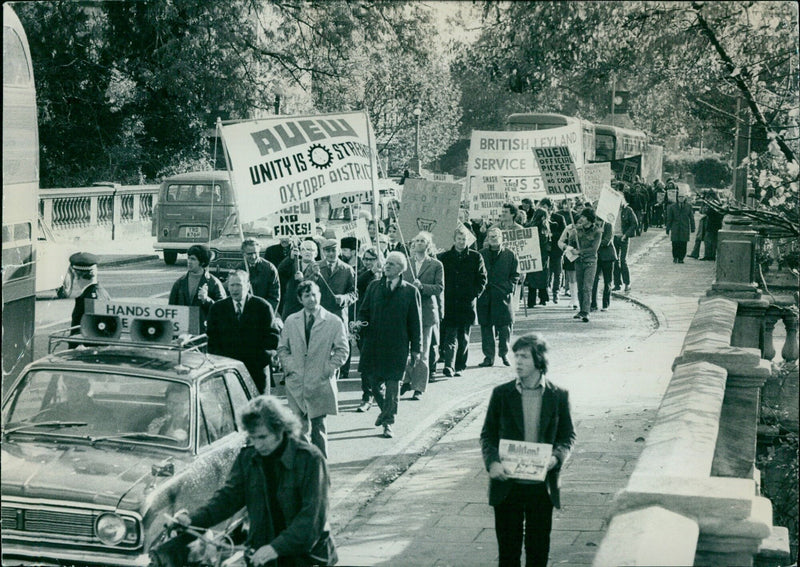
point(525, 461)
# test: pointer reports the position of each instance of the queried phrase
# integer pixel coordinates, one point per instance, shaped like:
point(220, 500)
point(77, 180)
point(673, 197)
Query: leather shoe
point(387, 431)
point(447, 371)
point(417, 395)
point(486, 362)
point(505, 361)
point(405, 388)
point(457, 373)
point(364, 407)
point(379, 421)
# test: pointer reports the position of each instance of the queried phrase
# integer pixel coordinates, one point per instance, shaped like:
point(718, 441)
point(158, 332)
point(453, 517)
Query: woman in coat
point(679, 225)
point(495, 304)
point(537, 281)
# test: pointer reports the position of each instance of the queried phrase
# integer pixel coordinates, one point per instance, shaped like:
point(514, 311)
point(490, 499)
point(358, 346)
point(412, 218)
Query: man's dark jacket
point(302, 495)
point(247, 339)
point(394, 328)
point(264, 281)
point(464, 280)
point(504, 420)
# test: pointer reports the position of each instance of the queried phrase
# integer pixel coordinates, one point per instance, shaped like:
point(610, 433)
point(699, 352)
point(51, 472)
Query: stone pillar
point(736, 265)
point(748, 330)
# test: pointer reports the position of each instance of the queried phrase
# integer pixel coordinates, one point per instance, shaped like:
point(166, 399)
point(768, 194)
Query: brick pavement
point(436, 514)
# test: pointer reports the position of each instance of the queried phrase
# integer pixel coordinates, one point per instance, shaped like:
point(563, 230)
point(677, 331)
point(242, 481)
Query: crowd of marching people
point(302, 307)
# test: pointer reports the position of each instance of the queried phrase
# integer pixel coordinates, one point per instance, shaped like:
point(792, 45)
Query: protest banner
point(508, 153)
point(431, 206)
point(282, 161)
point(357, 228)
point(524, 242)
point(558, 171)
point(608, 206)
point(183, 319)
point(595, 177)
point(524, 460)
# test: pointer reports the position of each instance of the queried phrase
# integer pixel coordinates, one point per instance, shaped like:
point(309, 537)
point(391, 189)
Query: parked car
point(226, 251)
point(52, 263)
point(192, 208)
point(100, 443)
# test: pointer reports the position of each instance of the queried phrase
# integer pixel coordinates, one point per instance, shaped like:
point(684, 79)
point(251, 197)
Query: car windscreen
point(99, 407)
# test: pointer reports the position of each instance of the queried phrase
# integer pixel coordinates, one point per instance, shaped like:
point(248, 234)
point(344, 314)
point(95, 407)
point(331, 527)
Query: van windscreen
point(194, 193)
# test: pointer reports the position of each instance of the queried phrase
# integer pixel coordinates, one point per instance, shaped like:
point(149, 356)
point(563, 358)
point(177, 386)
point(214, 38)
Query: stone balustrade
point(74, 211)
point(694, 496)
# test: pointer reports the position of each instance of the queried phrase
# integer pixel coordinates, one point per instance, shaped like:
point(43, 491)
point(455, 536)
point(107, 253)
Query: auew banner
point(431, 206)
point(558, 171)
point(525, 244)
point(283, 161)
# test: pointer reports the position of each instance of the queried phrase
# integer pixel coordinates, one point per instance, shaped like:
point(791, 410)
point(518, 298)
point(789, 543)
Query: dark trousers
point(621, 272)
point(607, 268)
point(488, 338)
point(259, 376)
point(679, 249)
point(386, 398)
point(710, 245)
point(556, 254)
point(455, 344)
point(527, 505)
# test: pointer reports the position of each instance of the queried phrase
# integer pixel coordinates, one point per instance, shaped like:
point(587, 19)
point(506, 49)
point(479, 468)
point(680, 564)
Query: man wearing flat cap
point(340, 280)
point(84, 270)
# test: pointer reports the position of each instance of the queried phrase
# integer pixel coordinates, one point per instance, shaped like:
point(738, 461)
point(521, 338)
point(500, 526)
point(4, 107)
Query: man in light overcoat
point(312, 347)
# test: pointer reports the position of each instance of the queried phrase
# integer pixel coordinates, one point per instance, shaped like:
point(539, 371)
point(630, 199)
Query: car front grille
point(48, 523)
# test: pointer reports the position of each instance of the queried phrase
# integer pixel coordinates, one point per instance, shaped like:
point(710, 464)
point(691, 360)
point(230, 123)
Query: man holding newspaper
point(526, 439)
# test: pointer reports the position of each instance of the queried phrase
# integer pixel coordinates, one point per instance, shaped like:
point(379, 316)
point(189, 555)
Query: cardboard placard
point(558, 171)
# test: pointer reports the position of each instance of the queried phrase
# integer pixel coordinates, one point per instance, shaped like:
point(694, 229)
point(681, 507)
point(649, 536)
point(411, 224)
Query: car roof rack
point(184, 343)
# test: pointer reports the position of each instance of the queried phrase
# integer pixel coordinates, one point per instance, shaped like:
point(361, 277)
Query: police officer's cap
point(83, 261)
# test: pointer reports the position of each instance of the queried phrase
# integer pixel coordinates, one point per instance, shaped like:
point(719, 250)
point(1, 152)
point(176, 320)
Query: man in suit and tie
point(312, 347)
point(534, 410)
point(427, 275)
point(243, 327)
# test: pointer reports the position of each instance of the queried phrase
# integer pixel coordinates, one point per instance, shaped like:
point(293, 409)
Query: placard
point(431, 206)
point(487, 197)
point(525, 461)
point(357, 228)
point(558, 171)
point(608, 205)
point(525, 244)
point(595, 177)
point(300, 221)
point(185, 319)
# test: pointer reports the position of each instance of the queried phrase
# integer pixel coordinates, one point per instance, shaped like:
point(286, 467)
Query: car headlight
point(112, 529)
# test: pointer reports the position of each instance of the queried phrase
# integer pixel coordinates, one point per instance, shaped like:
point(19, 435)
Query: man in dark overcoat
point(679, 225)
point(392, 311)
point(243, 327)
point(464, 281)
point(495, 304)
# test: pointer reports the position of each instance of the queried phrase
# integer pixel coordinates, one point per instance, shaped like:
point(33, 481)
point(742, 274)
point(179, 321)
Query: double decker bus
point(613, 142)
point(20, 197)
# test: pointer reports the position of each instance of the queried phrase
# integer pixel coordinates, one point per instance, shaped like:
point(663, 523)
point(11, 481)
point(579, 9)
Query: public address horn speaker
point(95, 326)
point(151, 330)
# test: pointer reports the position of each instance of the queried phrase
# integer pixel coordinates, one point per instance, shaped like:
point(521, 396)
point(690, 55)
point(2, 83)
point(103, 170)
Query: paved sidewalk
point(437, 514)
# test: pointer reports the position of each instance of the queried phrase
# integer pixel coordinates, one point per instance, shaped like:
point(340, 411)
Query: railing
point(101, 206)
point(694, 497)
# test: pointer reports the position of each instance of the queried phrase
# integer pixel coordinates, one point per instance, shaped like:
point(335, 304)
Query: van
point(192, 208)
